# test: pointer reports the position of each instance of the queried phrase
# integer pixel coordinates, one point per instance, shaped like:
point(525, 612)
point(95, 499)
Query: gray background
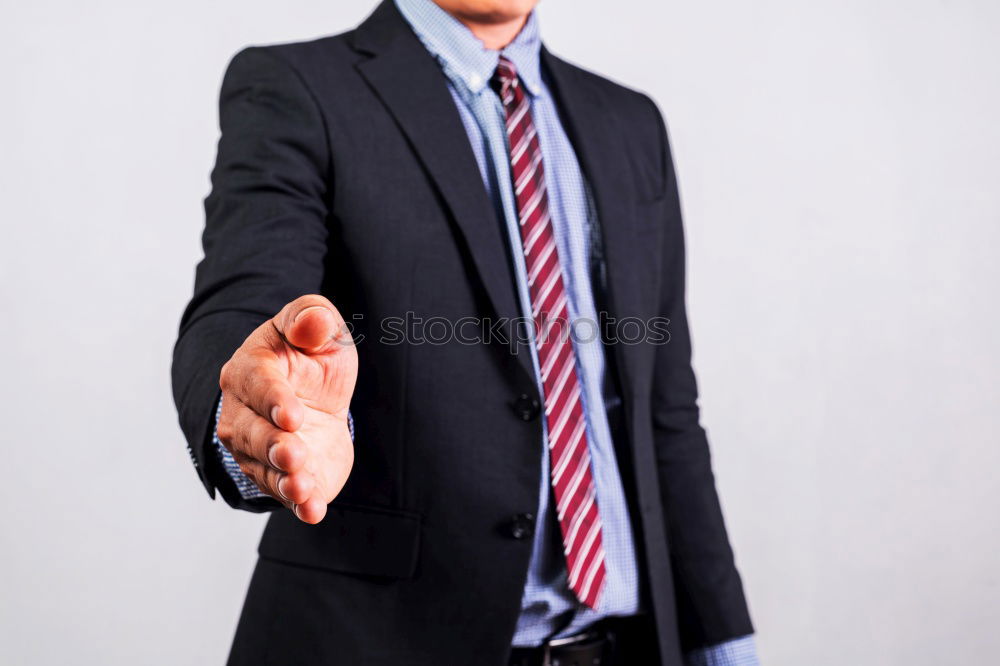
point(838, 164)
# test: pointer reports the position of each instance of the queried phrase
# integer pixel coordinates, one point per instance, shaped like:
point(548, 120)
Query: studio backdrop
point(838, 167)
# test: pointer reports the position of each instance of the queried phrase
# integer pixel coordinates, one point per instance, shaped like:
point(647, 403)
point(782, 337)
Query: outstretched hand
point(286, 393)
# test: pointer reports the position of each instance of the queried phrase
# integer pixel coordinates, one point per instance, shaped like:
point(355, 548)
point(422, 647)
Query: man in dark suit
point(434, 230)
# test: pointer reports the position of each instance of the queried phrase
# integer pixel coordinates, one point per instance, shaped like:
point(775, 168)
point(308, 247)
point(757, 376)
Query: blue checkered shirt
point(548, 608)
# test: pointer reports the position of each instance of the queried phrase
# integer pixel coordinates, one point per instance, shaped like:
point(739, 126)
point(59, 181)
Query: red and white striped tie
point(572, 480)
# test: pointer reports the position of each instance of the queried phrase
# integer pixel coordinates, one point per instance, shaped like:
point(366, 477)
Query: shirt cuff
point(248, 489)
point(737, 652)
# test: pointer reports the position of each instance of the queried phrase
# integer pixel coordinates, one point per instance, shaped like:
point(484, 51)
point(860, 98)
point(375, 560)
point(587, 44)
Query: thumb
point(312, 324)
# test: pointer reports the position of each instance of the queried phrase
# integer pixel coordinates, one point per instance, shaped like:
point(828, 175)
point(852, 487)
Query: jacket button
point(526, 407)
point(522, 526)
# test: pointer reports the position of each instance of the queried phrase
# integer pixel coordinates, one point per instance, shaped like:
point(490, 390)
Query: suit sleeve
point(710, 601)
point(264, 239)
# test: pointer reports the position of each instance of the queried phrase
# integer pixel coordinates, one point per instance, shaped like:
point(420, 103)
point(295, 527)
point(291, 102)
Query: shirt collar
point(462, 55)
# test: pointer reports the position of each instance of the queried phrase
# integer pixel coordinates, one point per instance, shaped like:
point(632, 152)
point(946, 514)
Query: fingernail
point(281, 491)
point(274, 415)
point(270, 455)
point(311, 307)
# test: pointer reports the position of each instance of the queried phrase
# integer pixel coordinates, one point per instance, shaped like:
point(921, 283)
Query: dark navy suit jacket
point(344, 169)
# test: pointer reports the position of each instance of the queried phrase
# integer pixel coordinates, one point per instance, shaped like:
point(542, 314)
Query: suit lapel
point(594, 135)
point(414, 90)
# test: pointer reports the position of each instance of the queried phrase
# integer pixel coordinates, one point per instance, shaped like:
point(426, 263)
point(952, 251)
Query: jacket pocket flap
point(366, 540)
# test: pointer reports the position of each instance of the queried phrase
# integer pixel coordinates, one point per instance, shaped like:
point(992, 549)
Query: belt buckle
point(561, 642)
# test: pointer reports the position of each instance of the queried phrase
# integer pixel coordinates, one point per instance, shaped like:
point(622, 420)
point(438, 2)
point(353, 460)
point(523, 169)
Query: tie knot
point(504, 80)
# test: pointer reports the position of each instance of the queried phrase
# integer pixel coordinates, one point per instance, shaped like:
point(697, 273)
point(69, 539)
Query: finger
point(256, 381)
point(290, 489)
point(311, 511)
point(313, 325)
point(256, 438)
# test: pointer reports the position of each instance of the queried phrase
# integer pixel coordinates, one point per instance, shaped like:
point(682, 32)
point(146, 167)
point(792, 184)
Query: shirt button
point(521, 526)
point(526, 407)
point(474, 81)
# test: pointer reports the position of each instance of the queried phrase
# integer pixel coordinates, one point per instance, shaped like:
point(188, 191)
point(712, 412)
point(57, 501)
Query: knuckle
point(224, 431)
point(231, 372)
point(225, 375)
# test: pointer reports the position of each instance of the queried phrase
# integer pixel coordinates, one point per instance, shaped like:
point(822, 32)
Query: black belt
point(625, 641)
point(592, 648)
